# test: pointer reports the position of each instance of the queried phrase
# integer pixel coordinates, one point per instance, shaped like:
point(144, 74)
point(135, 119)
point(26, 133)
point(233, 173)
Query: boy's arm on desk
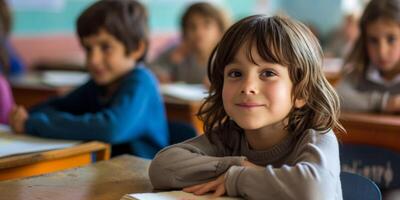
point(111, 124)
point(74, 101)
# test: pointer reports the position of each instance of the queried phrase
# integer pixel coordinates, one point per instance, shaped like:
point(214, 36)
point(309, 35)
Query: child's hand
point(18, 117)
point(246, 163)
point(393, 104)
point(217, 185)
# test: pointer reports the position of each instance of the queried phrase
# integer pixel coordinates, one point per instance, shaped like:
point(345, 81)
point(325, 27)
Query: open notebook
point(173, 195)
point(13, 144)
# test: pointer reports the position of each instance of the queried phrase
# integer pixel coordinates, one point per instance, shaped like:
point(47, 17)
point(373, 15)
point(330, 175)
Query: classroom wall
point(50, 24)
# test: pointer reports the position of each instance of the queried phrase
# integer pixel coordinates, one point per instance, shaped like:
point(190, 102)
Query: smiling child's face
point(106, 59)
point(256, 96)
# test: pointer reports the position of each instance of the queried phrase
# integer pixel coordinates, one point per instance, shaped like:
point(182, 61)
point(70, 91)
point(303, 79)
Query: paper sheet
point(190, 92)
point(12, 144)
point(64, 78)
point(173, 195)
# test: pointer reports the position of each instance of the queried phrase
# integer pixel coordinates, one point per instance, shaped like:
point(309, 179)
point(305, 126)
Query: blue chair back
point(376, 163)
point(357, 187)
point(180, 131)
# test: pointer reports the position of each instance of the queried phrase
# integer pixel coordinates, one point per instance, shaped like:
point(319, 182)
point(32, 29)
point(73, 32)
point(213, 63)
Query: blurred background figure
point(341, 41)
point(14, 64)
point(7, 64)
point(202, 25)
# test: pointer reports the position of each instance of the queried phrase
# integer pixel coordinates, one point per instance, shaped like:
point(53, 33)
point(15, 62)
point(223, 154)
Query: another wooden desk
point(181, 110)
point(50, 161)
point(105, 180)
point(371, 129)
point(29, 89)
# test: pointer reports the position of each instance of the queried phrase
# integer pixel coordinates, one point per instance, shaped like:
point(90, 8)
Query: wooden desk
point(29, 89)
point(372, 129)
point(181, 110)
point(333, 78)
point(50, 161)
point(104, 180)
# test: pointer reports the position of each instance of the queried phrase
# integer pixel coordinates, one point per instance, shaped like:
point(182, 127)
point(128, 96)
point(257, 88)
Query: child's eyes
point(88, 49)
point(391, 39)
point(105, 47)
point(234, 74)
point(268, 73)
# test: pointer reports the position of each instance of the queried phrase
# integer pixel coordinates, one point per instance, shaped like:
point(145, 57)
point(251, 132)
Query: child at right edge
point(268, 120)
point(372, 83)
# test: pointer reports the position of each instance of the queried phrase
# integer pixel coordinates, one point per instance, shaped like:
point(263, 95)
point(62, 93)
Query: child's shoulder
point(314, 137)
point(141, 73)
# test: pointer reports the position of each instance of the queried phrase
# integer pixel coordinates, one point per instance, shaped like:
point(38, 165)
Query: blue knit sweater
point(134, 114)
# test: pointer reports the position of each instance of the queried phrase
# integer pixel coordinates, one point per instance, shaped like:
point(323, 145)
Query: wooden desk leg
point(103, 154)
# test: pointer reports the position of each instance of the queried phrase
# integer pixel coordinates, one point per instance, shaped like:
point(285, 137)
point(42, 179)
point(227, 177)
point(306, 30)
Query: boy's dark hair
point(126, 20)
point(206, 10)
point(5, 28)
point(358, 58)
point(288, 43)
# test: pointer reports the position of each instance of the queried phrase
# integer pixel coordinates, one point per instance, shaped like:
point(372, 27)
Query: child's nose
point(94, 58)
point(249, 87)
point(383, 50)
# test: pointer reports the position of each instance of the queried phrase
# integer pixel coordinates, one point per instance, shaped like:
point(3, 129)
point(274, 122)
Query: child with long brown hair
point(268, 120)
point(373, 82)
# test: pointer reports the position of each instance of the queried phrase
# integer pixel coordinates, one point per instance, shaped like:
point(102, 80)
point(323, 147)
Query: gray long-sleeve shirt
point(307, 168)
point(367, 94)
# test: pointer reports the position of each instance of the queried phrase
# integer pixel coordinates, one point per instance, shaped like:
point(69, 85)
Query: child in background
point(342, 40)
point(6, 100)
point(268, 120)
point(202, 27)
point(14, 63)
point(373, 83)
point(121, 103)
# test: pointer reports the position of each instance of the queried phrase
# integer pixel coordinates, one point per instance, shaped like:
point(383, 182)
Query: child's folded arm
point(355, 100)
point(187, 164)
point(310, 177)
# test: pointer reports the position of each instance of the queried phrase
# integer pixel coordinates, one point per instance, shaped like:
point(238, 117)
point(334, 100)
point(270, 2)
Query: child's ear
point(139, 51)
point(298, 103)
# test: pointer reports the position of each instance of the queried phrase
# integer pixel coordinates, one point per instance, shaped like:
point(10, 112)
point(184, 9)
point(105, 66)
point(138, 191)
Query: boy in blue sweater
point(121, 103)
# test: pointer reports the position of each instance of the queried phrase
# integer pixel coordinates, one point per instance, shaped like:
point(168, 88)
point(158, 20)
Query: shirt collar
point(374, 76)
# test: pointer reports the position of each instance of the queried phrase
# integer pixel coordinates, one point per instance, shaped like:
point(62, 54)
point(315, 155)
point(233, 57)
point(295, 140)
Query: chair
point(376, 163)
point(357, 187)
point(180, 131)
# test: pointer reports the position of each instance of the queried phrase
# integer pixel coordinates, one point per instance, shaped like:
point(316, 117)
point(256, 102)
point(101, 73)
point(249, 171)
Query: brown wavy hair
point(358, 59)
point(283, 41)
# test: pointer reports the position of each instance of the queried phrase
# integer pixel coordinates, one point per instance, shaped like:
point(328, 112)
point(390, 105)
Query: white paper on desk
point(59, 78)
point(12, 144)
point(173, 195)
point(191, 92)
